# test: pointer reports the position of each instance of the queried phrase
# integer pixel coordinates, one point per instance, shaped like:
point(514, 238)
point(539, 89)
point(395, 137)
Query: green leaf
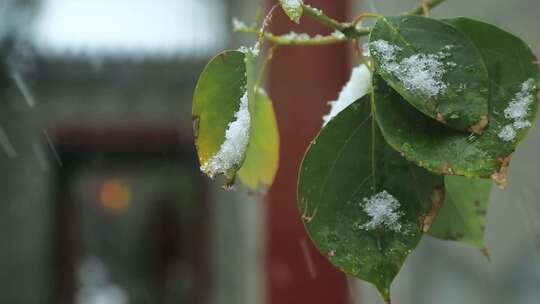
point(511, 63)
point(513, 74)
point(262, 155)
point(463, 214)
point(435, 67)
point(293, 9)
point(348, 164)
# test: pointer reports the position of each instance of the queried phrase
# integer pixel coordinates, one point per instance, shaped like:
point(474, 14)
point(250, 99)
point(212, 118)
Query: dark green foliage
point(490, 79)
point(449, 104)
point(346, 164)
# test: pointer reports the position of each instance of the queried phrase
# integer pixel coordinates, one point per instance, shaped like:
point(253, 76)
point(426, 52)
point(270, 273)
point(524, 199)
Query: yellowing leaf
point(262, 156)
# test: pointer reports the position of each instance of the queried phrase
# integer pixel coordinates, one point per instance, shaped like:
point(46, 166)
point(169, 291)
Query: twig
point(298, 39)
point(267, 59)
point(427, 5)
point(318, 15)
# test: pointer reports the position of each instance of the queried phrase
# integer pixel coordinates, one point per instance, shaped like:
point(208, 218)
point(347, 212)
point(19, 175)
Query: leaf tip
point(385, 292)
point(486, 254)
point(259, 190)
point(501, 177)
point(229, 182)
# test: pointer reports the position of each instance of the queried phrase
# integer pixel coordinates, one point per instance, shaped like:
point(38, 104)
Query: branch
point(350, 30)
point(297, 39)
point(344, 30)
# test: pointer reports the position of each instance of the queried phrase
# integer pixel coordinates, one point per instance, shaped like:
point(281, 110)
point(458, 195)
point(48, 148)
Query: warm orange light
point(115, 195)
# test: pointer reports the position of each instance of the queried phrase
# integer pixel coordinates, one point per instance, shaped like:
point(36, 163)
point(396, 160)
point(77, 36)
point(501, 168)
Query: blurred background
point(102, 201)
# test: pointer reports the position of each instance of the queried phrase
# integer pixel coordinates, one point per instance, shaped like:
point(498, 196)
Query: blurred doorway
point(130, 218)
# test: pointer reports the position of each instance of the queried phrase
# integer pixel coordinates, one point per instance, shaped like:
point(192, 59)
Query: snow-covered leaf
point(293, 9)
point(435, 67)
point(364, 206)
point(463, 214)
point(219, 111)
point(513, 77)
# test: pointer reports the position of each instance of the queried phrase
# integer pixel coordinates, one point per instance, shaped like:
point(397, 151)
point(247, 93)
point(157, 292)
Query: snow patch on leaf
point(232, 150)
point(507, 133)
point(387, 53)
point(518, 111)
point(292, 4)
point(383, 208)
point(422, 73)
point(355, 88)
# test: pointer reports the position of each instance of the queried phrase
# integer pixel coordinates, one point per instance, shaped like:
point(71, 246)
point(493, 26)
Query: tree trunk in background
point(301, 81)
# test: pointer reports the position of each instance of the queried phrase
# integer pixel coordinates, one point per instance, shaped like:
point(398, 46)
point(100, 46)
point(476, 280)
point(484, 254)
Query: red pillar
point(301, 80)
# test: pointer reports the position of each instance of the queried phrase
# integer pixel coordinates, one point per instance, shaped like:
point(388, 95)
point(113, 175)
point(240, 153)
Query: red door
point(301, 81)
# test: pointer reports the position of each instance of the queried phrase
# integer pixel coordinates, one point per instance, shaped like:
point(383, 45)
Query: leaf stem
point(318, 15)
point(265, 22)
point(362, 16)
point(267, 59)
